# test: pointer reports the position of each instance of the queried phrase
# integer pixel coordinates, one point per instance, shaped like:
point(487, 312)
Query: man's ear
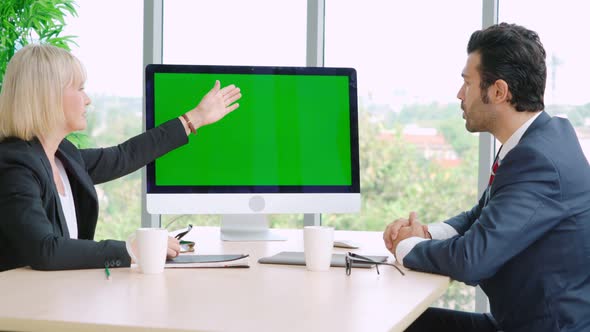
point(500, 92)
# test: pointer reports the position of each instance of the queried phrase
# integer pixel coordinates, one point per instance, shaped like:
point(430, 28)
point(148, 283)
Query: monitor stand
point(247, 227)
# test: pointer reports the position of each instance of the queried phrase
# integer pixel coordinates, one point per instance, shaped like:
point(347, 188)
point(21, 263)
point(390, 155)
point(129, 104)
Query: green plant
point(26, 21)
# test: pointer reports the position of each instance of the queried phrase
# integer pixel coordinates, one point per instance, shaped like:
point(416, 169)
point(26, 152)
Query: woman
point(48, 204)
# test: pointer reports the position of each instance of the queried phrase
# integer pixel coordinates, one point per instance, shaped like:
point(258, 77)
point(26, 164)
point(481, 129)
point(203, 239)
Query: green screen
point(290, 130)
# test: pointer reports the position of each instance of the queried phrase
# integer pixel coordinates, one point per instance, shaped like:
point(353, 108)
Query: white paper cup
point(151, 245)
point(317, 245)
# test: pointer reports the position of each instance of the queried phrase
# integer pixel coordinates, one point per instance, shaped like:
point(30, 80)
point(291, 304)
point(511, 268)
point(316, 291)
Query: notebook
point(298, 258)
point(198, 261)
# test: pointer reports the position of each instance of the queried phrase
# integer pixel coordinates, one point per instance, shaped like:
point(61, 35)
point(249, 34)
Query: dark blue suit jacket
point(529, 246)
point(33, 229)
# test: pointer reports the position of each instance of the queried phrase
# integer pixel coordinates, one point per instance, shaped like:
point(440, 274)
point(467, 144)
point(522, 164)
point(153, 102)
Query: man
point(527, 241)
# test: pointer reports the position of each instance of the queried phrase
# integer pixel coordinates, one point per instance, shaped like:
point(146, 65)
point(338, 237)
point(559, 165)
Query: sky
point(404, 51)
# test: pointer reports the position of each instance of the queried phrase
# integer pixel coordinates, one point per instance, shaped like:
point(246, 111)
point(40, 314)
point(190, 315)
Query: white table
point(262, 298)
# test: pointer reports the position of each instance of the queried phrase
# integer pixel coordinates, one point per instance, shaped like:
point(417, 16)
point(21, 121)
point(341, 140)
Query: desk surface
point(262, 298)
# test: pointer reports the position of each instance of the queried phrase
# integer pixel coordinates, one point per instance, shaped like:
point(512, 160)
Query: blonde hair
point(31, 100)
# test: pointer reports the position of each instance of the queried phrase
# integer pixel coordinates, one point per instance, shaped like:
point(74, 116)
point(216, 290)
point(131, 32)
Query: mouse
point(345, 244)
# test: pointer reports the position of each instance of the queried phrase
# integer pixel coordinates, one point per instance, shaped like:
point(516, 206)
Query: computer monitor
point(291, 146)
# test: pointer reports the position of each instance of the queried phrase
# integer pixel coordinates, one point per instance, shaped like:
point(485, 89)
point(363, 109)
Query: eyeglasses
point(352, 257)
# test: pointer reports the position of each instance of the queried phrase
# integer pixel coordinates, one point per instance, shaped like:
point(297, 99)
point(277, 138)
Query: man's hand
point(391, 231)
point(402, 229)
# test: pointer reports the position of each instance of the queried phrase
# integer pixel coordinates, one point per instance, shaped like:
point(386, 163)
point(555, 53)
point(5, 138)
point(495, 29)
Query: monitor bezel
point(354, 188)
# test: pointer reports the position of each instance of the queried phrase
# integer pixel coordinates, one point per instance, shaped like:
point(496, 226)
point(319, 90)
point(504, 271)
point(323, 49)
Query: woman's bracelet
point(190, 124)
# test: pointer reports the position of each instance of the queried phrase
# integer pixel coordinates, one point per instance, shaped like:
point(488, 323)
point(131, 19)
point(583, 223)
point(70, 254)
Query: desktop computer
point(291, 146)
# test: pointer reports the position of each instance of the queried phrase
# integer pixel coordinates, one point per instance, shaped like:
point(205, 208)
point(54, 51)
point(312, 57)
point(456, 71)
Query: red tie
point(494, 169)
point(495, 166)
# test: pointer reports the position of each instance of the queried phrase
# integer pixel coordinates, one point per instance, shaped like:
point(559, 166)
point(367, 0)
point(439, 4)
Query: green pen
point(107, 272)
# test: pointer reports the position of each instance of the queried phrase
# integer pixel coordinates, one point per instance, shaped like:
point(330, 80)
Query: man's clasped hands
point(402, 229)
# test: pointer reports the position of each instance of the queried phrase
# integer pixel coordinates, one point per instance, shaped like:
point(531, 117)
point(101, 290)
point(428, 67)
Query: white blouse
point(67, 201)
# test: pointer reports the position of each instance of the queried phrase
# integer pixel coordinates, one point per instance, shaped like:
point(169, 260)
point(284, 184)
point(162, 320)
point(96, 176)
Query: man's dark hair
point(514, 54)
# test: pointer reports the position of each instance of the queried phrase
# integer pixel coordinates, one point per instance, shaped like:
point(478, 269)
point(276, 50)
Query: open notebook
point(197, 261)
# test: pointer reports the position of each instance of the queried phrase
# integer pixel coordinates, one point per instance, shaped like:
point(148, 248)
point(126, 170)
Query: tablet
point(298, 258)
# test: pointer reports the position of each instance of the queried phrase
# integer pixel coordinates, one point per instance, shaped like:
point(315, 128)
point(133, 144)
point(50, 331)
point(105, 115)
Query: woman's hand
point(215, 105)
point(173, 247)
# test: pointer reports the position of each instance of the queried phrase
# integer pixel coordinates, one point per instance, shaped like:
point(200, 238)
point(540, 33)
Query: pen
point(107, 272)
point(180, 235)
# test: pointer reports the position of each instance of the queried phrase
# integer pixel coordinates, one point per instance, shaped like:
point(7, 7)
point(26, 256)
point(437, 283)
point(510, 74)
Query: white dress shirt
point(442, 230)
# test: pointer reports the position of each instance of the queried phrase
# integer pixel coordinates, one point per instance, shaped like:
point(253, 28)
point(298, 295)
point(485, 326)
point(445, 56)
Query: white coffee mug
point(152, 245)
point(317, 245)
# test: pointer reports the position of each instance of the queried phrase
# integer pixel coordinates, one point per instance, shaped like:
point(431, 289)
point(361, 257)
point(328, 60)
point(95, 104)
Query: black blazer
point(528, 247)
point(33, 229)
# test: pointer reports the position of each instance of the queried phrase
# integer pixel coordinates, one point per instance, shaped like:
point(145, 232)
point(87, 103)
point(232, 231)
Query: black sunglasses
point(351, 257)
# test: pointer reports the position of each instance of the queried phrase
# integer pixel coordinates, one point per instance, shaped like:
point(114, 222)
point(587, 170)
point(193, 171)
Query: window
point(415, 152)
point(234, 32)
point(109, 37)
point(561, 29)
